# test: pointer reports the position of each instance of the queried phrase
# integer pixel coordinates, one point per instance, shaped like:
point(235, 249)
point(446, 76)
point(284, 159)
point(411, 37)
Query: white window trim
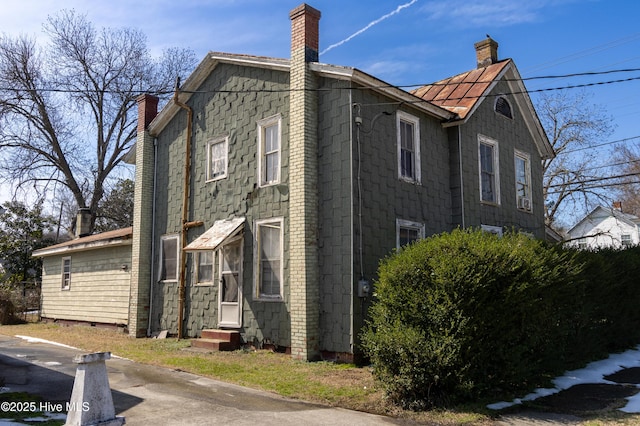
point(401, 223)
point(256, 260)
point(527, 158)
point(66, 287)
point(483, 140)
point(403, 116)
point(224, 140)
point(178, 258)
point(266, 122)
point(197, 268)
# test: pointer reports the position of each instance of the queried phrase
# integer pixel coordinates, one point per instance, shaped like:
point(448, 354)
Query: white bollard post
point(91, 401)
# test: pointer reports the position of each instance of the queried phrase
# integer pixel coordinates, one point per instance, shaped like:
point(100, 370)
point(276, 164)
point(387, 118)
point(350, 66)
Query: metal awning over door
point(217, 235)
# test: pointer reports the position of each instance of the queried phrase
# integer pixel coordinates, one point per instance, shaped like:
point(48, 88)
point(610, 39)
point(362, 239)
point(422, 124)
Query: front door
point(230, 288)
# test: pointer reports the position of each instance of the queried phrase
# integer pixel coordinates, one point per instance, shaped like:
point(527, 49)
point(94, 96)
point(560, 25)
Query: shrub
point(467, 313)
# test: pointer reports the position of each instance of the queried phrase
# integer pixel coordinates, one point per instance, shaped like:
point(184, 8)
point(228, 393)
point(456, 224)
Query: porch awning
point(221, 231)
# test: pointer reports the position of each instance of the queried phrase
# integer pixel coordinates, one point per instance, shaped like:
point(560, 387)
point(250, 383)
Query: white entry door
point(230, 287)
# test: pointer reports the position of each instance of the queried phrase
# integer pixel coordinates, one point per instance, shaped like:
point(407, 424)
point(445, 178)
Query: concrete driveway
point(147, 395)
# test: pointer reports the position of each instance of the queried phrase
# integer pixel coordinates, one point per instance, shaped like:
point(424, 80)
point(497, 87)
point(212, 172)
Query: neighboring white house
point(605, 227)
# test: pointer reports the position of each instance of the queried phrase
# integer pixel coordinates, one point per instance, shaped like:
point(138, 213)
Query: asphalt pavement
point(147, 395)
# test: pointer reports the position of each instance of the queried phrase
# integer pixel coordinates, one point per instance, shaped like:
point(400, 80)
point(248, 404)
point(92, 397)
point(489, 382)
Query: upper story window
point(523, 180)
point(407, 232)
point(66, 273)
point(217, 155)
point(268, 245)
point(408, 135)
point(626, 241)
point(269, 150)
point(489, 173)
point(503, 107)
point(169, 258)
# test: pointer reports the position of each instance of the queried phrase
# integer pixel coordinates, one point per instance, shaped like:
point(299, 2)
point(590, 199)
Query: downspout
point(153, 233)
point(185, 209)
point(351, 213)
point(461, 176)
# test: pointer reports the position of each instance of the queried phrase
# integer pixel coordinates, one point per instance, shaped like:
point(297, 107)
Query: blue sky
point(407, 42)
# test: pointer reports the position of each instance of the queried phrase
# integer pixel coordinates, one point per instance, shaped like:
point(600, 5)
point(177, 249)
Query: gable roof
point(90, 242)
point(462, 94)
point(212, 59)
point(600, 213)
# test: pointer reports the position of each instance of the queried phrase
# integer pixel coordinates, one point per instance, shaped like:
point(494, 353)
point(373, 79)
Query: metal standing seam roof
point(459, 94)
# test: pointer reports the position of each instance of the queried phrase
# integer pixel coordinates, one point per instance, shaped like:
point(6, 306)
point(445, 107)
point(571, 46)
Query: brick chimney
point(83, 222)
point(303, 185)
point(147, 110)
point(486, 52)
point(142, 243)
point(305, 31)
point(617, 205)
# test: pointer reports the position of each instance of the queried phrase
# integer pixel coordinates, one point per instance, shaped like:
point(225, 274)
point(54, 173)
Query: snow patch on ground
point(30, 339)
point(592, 373)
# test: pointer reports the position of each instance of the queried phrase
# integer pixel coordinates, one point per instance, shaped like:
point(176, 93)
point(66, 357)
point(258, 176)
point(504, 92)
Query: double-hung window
point(626, 241)
point(169, 258)
point(489, 173)
point(407, 232)
point(217, 154)
point(66, 273)
point(523, 180)
point(269, 150)
point(268, 246)
point(408, 135)
point(204, 268)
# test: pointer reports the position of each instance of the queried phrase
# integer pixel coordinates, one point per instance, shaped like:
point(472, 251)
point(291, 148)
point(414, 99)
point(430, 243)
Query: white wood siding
point(99, 289)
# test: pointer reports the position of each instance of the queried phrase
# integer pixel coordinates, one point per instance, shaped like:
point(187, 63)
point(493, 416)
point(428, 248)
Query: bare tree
point(67, 111)
point(628, 188)
point(573, 127)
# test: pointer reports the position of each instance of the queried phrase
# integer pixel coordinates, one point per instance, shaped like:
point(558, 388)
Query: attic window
point(503, 107)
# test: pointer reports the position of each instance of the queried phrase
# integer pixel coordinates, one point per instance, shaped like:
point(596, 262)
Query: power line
point(600, 144)
point(385, 86)
point(608, 185)
point(559, 185)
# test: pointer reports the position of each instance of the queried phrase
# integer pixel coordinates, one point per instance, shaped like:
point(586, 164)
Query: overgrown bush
point(466, 314)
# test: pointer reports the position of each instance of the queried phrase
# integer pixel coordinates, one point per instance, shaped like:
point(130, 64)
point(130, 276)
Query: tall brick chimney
point(141, 273)
point(303, 185)
point(486, 52)
point(305, 31)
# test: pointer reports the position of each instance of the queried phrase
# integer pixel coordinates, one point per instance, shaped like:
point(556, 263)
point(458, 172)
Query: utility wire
point(580, 182)
point(385, 86)
point(600, 144)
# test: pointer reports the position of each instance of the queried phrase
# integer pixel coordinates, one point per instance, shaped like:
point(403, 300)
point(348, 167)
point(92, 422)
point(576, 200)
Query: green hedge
point(469, 314)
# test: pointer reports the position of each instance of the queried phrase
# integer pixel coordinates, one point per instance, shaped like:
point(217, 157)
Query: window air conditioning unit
point(524, 203)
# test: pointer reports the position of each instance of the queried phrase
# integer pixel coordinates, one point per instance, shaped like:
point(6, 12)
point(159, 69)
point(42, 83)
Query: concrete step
point(232, 336)
point(214, 345)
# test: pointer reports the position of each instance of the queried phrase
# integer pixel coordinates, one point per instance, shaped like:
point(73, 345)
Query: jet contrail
point(371, 24)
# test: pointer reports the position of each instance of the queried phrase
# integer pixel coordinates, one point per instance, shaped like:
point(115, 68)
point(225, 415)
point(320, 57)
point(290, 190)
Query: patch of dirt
point(628, 375)
point(587, 398)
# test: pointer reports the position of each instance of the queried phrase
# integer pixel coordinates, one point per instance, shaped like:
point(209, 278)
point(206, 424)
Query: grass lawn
point(340, 385)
